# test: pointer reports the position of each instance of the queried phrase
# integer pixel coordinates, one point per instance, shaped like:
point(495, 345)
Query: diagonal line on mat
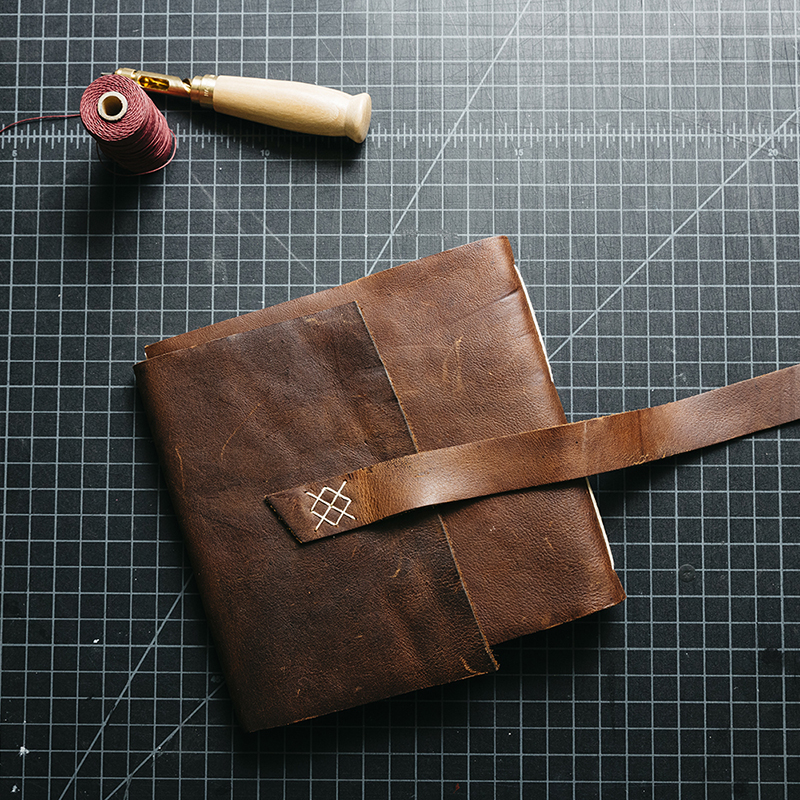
point(125, 688)
point(260, 221)
point(155, 752)
point(448, 138)
point(671, 237)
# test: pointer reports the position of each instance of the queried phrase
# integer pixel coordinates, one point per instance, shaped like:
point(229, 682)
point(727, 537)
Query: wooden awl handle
point(294, 106)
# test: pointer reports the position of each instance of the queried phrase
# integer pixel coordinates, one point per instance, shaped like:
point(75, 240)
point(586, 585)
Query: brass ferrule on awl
point(200, 88)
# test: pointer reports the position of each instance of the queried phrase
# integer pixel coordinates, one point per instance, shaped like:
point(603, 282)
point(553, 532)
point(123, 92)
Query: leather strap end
point(317, 510)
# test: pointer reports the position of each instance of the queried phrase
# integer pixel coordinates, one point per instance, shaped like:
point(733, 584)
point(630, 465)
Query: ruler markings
point(505, 135)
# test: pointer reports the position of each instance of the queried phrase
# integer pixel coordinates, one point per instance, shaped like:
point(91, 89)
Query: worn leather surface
point(464, 355)
point(439, 394)
point(549, 455)
point(303, 631)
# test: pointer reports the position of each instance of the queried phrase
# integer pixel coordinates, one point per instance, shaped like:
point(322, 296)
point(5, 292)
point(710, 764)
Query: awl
point(294, 106)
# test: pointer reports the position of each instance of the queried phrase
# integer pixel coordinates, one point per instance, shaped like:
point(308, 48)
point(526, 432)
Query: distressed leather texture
point(550, 455)
point(445, 352)
point(304, 631)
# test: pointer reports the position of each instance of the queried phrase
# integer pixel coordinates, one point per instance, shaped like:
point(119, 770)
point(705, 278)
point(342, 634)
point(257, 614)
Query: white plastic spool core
point(112, 106)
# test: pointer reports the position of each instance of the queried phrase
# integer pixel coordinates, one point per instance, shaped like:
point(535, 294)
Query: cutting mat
point(644, 160)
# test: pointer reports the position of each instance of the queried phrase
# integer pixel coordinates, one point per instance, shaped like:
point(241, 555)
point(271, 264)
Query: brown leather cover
point(447, 353)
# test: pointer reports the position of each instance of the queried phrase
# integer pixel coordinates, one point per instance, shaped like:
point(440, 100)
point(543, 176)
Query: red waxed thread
point(35, 119)
point(140, 141)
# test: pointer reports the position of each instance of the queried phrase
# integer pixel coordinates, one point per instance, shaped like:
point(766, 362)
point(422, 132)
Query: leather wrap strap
point(340, 503)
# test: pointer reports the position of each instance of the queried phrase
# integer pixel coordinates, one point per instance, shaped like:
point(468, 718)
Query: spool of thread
point(126, 125)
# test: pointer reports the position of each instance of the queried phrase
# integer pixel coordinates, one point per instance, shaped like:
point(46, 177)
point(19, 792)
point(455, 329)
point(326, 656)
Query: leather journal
point(376, 483)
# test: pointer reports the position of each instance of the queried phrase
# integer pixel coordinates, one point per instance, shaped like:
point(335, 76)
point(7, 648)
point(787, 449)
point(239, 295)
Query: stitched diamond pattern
point(332, 512)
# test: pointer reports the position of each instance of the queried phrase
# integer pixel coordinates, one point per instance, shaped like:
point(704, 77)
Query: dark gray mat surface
point(644, 160)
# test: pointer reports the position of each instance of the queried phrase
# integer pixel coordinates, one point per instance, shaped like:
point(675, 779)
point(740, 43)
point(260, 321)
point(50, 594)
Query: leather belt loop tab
point(534, 458)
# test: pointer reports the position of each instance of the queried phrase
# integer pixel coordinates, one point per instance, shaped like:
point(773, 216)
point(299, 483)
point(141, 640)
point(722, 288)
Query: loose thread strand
point(37, 119)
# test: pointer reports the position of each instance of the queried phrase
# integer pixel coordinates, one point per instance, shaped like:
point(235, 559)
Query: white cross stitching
point(330, 506)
